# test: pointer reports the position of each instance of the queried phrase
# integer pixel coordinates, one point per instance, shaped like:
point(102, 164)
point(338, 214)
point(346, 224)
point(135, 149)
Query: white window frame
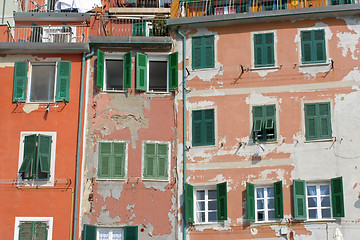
point(195, 210)
point(126, 161)
point(113, 56)
point(49, 220)
point(266, 209)
point(318, 201)
point(253, 53)
point(110, 229)
point(29, 77)
point(56, 30)
point(163, 57)
point(51, 180)
point(143, 161)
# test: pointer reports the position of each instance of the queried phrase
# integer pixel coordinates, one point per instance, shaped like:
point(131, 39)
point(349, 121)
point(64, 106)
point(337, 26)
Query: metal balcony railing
point(49, 33)
point(122, 26)
point(192, 8)
point(141, 3)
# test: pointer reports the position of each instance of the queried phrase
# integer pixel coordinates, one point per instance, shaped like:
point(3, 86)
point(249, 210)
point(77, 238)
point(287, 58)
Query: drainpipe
point(184, 126)
point(84, 57)
point(3, 12)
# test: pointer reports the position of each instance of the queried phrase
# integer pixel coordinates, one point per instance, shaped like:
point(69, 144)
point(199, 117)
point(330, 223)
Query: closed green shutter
point(324, 120)
point(40, 230)
point(44, 153)
point(131, 233)
point(208, 52)
point(189, 203)
point(196, 127)
point(100, 69)
point(313, 46)
point(250, 201)
point(63, 81)
point(29, 152)
point(299, 199)
point(162, 161)
point(127, 69)
point(264, 50)
point(306, 45)
point(337, 196)
point(89, 232)
point(258, 45)
point(141, 72)
point(149, 158)
point(279, 209)
point(221, 190)
point(20, 81)
point(104, 159)
point(319, 45)
point(173, 71)
point(118, 163)
point(26, 231)
point(317, 121)
point(310, 121)
point(196, 52)
point(208, 127)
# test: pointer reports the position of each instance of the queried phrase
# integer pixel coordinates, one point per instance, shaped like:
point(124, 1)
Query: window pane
point(326, 213)
point(313, 214)
point(312, 202)
point(42, 83)
point(212, 194)
point(311, 190)
point(325, 202)
point(261, 216)
point(158, 76)
point(271, 204)
point(213, 205)
point(117, 235)
point(201, 206)
point(270, 192)
point(114, 74)
point(200, 195)
point(200, 216)
point(260, 193)
point(324, 190)
point(104, 235)
point(212, 216)
point(271, 215)
point(260, 204)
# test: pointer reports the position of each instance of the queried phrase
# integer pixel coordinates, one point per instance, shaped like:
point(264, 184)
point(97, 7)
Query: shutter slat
point(189, 203)
point(162, 161)
point(141, 71)
point(20, 81)
point(299, 195)
point(127, 69)
point(44, 153)
point(104, 159)
point(149, 158)
point(100, 69)
point(279, 209)
point(63, 81)
point(173, 71)
point(337, 196)
point(131, 233)
point(89, 232)
point(250, 201)
point(29, 152)
point(222, 201)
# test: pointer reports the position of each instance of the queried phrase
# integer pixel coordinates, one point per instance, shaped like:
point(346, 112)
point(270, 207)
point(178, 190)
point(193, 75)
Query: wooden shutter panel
point(269, 49)
point(118, 163)
point(258, 118)
point(89, 232)
point(337, 197)
point(26, 230)
point(44, 153)
point(279, 209)
point(127, 69)
point(100, 69)
point(104, 159)
point(208, 50)
point(63, 81)
point(131, 233)
point(20, 81)
point(258, 49)
point(196, 52)
point(196, 127)
point(189, 203)
point(250, 201)
point(40, 230)
point(162, 161)
point(299, 195)
point(221, 190)
point(306, 43)
point(173, 71)
point(310, 121)
point(150, 159)
point(138, 28)
point(324, 120)
point(141, 71)
point(319, 45)
point(29, 152)
point(208, 123)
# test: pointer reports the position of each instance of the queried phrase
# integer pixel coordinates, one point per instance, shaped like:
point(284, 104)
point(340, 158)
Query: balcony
point(196, 8)
point(141, 3)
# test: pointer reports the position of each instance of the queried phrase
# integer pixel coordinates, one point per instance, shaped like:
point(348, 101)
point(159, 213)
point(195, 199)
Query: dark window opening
point(42, 83)
point(158, 76)
point(114, 74)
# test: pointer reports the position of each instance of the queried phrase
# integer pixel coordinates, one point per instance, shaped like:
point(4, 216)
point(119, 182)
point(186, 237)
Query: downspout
point(78, 148)
point(3, 12)
point(184, 127)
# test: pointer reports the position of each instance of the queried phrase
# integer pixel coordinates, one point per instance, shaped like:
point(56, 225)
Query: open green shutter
point(189, 203)
point(44, 153)
point(173, 71)
point(89, 232)
point(337, 196)
point(104, 159)
point(127, 69)
point(26, 230)
point(221, 190)
point(100, 69)
point(41, 230)
point(299, 199)
point(131, 233)
point(279, 209)
point(162, 161)
point(63, 81)
point(258, 118)
point(20, 81)
point(29, 152)
point(141, 71)
point(150, 160)
point(250, 201)
point(118, 163)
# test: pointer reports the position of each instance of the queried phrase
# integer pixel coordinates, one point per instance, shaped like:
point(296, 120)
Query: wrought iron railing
point(141, 3)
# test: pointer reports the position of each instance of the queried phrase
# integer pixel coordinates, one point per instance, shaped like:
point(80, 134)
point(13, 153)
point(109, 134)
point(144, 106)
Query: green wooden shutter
point(208, 127)
point(63, 81)
point(208, 52)
point(100, 69)
point(29, 152)
point(299, 199)
point(162, 161)
point(173, 71)
point(196, 52)
point(118, 157)
point(127, 69)
point(89, 232)
point(258, 123)
point(26, 231)
point(138, 29)
point(270, 122)
point(250, 201)
point(141, 71)
point(324, 120)
point(40, 230)
point(20, 81)
point(189, 203)
point(104, 159)
point(196, 127)
point(44, 153)
point(337, 197)
point(258, 49)
point(310, 121)
point(269, 49)
point(319, 45)
point(131, 233)
point(150, 159)
point(306, 46)
point(279, 209)
point(221, 190)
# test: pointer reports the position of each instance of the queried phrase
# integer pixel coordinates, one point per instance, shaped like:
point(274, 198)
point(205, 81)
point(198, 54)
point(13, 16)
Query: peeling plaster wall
point(133, 117)
point(235, 158)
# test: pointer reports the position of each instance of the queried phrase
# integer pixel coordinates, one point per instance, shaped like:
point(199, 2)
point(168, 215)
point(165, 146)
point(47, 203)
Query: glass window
point(114, 74)
point(265, 204)
point(158, 76)
point(206, 206)
point(318, 201)
point(110, 234)
point(42, 83)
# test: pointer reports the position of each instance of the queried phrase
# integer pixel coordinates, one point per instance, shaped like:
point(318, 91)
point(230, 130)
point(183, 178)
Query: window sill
point(203, 69)
point(268, 142)
point(154, 92)
point(204, 146)
point(34, 183)
point(319, 140)
point(113, 91)
point(204, 224)
point(111, 179)
point(155, 180)
point(320, 220)
point(264, 68)
point(266, 223)
point(314, 64)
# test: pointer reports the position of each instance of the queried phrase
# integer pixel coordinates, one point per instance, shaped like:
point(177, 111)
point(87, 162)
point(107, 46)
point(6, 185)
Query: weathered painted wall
point(236, 159)
point(55, 199)
point(133, 117)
